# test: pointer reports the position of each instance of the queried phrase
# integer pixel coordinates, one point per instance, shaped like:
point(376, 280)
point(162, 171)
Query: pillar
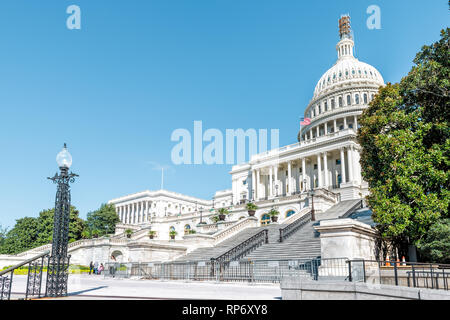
point(343, 176)
point(325, 169)
point(253, 185)
point(289, 178)
point(276, 179)
point(350, 163)
point(304, 175)
point(319, 171)
point(270, 182)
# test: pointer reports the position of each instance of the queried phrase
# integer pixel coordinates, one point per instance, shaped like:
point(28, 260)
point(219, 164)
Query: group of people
point(95, 268)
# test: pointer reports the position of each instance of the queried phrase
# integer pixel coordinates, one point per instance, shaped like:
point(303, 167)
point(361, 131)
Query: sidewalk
point(96, 287)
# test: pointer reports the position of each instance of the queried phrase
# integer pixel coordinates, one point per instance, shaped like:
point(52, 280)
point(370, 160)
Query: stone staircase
point(205, 254)
point(302, 245)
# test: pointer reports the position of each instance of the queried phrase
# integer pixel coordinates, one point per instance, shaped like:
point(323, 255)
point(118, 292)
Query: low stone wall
point(295, 288)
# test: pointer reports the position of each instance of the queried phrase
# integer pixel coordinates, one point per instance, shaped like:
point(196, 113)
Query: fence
point(408, 274)
point(262, 271)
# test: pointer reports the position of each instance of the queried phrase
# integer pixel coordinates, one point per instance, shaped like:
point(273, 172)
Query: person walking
point(95, 267)
point(91, 267)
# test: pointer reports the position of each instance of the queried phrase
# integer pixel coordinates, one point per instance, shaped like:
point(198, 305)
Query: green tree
point(102, 221)
point(29, 233)
point(435, 247)
point(3, 232)
point(46, 224)
point(405, 143)
point(21, 237)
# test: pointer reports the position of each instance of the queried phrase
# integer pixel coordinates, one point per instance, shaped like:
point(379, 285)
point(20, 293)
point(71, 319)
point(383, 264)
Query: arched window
point(265, 220)
point(290, 213)
point(332, 104)
point(357, 98)
point(340, 102)
point(349, 100)
point(187, 229)
point(365, 97)
point(326, 106)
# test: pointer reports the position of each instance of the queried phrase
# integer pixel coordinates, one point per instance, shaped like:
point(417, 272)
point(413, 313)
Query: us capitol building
point(325, 160)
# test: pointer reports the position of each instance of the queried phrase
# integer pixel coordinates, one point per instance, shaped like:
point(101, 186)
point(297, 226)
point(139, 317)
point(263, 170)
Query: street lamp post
point(57, 274)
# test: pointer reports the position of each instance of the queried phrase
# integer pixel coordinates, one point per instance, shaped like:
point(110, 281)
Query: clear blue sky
point(137, 70)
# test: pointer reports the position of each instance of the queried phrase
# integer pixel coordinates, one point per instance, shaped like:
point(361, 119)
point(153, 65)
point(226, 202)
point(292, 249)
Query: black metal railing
point(294, 227)
point(254, 271)
point(244, 248)
point(408, 274)
point(35, 267)
point(356, 206)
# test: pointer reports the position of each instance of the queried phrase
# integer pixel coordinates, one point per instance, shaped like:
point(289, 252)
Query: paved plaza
point(98, 287)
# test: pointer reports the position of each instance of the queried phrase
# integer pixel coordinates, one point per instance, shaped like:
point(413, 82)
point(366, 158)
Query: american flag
point(305, 121)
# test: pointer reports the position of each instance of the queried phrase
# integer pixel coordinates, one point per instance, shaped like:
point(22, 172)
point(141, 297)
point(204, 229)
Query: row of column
point(133, 213)
point(322, 169)
point(309, 134)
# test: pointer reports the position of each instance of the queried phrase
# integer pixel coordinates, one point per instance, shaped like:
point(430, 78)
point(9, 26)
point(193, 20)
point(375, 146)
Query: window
point(340, 102)
point(332, 104)
point(365, 97)
point(338, 161)
point(187, 229)
point(315, 167)
point(290, 213)
point(265, 220)
point(349, 100)
point(341, 127)
point(357, 98)
point(326, 106)
point(320, 109)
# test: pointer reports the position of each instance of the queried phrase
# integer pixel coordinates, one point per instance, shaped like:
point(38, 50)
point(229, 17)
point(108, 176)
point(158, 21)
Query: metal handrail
point(294, 226)
point(245, 247)
point(358, 205)
point(17, 266)
point(34, 277)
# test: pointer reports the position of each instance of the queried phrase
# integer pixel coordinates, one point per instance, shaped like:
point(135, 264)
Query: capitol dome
point(347, 69)
point(342, 93)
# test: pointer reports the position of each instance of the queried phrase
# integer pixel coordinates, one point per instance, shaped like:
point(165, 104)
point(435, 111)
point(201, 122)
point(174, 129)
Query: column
point(345, 122)
point(350, 163)
point(325, 169)
point(304, 175)
point(335, 125)
point(289, 178)
point(275, 168)
point(355, 123)
point(127, 215)
point(317, 131)
point(270, 182)
point(319, 171)
point(253, 196)
point(343, 177)
point(326, 128)
point(258, 181)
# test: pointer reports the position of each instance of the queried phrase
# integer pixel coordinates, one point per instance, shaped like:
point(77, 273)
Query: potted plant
point(251, 208)
point(223, 212)
point(274, 215)
point(151, 234)
point(172, 234)
point(192, 231)
point(128, 232)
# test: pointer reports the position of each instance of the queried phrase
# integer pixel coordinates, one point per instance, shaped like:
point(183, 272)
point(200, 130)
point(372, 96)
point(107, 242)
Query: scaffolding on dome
point(345, 29)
